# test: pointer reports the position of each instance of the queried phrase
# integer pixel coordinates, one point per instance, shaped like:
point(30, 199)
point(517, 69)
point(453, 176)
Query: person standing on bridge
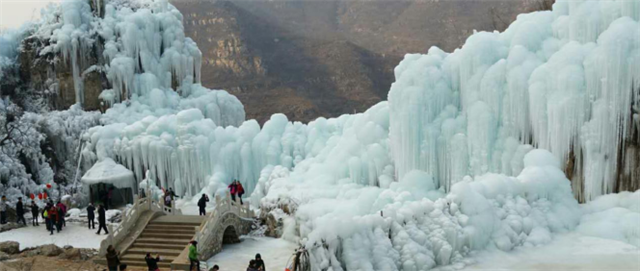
point(203, 203)
point(233, 189)
point(172, 194)
point(102, 220)
point(240, 190)
point(193, 256)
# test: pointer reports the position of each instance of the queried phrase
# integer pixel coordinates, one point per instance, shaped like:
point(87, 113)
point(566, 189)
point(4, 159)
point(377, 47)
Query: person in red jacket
point(53, 217)
point(233, 189)
point(240, 191)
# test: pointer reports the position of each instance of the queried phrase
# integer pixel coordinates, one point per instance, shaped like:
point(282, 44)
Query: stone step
point(173, 227)
point(170, 231)
point(140, 257)
point(151, 240)
point(170, 246)
point(161, 251)
point(165, 265)
point(166, 236)
point(173, 223)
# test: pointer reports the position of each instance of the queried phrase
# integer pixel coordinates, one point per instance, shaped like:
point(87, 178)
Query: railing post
point(149, 199)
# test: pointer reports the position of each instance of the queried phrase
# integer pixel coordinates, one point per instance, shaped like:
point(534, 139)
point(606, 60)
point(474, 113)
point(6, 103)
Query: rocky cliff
point(325, 58)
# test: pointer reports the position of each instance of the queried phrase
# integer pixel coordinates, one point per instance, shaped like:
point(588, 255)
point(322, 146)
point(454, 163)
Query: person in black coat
point(35, 212)
point(260, 263)
point(91, 216)
point(203, 203)
point(152, 263)
point(172, 194)
point(102, 220)
point(20, 212)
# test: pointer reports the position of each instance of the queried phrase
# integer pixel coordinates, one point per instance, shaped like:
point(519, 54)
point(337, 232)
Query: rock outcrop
point(308, 59)
point(51, 76)
point(10, 247)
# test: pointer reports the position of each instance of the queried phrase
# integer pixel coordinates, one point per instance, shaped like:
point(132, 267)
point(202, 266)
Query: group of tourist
point(53, 214)
point(102, 218)
point(236, 189)
point(256, 264)
point(114, 263)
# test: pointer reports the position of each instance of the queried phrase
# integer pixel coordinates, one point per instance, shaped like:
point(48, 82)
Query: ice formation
point(153, 69)
point(148, 61)
point(109, 172)
point(468, 152)
point(566, 81)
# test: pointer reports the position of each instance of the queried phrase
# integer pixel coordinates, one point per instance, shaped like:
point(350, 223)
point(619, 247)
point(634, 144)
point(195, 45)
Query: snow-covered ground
point(571, 251)
point(74, 234)
point(274, 252)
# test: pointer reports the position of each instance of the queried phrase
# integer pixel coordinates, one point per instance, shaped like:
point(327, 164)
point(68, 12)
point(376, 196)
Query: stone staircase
point(167, 236)
point(150, 227)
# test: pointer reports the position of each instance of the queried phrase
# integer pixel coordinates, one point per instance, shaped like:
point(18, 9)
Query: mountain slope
point(325, 58)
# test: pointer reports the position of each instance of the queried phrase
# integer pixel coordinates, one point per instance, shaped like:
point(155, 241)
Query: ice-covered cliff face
point(132, 51)
point(567, 81)
point(469, 151)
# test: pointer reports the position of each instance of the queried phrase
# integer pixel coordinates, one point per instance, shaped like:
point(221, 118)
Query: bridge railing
point(206, 234)
point(129, 218)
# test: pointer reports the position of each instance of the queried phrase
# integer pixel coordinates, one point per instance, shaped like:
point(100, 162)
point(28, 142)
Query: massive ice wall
point(566, 80)
point(454, 162)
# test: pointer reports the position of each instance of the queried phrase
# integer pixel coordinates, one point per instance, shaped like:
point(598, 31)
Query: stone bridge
point(224, 225)
point(150, 226)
